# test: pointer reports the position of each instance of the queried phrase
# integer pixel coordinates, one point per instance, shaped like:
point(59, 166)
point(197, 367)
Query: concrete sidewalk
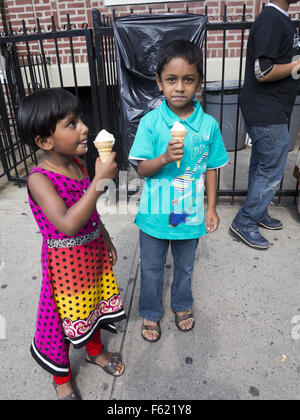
point(246, 342)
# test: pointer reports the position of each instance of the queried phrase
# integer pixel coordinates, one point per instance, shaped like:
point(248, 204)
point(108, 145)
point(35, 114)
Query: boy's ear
point(159, 84)
point(200, 81)
point(199, 86)
point(44, 143)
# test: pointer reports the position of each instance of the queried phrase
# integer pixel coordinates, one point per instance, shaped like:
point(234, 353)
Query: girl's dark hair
point(40, 112)
point(180, 49)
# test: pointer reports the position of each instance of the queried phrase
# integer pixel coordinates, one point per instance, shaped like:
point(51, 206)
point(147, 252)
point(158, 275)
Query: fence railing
point(53, 57)
point(28, 68)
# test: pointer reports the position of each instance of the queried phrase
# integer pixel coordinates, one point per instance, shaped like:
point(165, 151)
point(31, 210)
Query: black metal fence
point(29, 66)
point(234, 173)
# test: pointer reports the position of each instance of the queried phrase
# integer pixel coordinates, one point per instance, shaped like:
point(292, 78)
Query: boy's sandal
point(111, 366)
point(184, 317)
point(71, 397)
point(155, 328)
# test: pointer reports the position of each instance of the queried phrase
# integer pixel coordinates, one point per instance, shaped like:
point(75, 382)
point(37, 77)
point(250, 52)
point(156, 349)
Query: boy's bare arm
point(212, 218)
point(211, 188)
point(151, 167)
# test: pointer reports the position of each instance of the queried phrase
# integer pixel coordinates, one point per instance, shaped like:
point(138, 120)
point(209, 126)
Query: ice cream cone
point(179, 135)
point(104, 149)
point(104, 143)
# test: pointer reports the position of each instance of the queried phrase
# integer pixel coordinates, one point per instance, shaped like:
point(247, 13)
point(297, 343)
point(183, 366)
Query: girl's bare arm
point(69, 220)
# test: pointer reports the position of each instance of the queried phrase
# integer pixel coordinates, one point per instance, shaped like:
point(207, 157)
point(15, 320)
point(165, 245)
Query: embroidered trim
point(71, 242)
point(105, 309)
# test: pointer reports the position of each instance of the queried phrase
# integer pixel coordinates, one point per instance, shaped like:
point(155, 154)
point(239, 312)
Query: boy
point(171, 207)
point(267, 101)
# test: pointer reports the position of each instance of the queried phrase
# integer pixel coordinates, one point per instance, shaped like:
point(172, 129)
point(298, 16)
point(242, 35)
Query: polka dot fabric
point(79, 290)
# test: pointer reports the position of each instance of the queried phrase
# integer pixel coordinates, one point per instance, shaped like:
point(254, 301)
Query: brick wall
point(80, 12)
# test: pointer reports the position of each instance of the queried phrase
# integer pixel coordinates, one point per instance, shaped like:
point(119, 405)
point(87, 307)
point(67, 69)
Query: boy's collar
point(193, 120)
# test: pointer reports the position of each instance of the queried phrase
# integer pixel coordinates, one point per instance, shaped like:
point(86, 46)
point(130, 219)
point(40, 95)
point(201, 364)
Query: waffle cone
point(104, 149)
point(179, 135)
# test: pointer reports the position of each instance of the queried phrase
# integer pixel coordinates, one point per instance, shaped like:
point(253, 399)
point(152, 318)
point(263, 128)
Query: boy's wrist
point(212, 208)
point(165, 159)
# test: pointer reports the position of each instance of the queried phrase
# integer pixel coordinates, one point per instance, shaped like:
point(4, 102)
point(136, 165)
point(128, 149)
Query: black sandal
point(179, 318)
point(111, 365)
point(71, 397)
point(155, 328)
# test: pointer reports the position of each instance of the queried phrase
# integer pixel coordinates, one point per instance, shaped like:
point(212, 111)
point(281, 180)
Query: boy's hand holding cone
point(178, 133)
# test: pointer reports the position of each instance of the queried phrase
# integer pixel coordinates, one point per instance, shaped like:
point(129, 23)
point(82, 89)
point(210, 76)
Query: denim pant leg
point(153, 258)
point(270, 147)
point(184, 257)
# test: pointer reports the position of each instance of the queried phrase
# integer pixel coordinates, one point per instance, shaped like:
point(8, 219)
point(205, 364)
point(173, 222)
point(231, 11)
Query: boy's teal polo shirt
point(172, 202)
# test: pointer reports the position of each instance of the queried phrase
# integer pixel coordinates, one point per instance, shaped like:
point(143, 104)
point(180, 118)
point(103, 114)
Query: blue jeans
point(270, 146)
point(153, 258)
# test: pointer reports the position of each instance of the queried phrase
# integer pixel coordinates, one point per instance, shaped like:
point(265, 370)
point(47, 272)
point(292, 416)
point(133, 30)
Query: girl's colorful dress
point(79, 290)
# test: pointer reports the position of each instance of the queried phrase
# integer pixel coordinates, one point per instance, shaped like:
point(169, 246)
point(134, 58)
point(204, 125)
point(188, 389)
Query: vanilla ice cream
point(178, 132)
point(104, 136)
point(104, 143)
point(177, 127)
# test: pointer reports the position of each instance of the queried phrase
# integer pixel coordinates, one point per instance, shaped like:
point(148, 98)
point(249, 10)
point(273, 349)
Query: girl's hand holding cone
point(107, 170)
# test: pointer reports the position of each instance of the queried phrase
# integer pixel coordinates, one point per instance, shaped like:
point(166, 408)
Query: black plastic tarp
point(138, 39)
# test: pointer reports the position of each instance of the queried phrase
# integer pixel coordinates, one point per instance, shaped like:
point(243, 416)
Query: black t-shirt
point(275, 36)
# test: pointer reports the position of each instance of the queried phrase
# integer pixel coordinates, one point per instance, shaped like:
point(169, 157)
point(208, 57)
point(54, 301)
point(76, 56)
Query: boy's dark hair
point(180, 49)
point(40, 112)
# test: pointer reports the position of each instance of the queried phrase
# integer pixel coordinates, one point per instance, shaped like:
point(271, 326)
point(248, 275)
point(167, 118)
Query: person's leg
point(181, 291)
point(153, 258)
point(94, 347)
point(95, 353)
point(270, 150)
point(64, 386)
point(63, 380)
point(254, 159)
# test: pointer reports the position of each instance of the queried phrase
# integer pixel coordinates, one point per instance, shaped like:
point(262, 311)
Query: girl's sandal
point(155, 328)
point(111, 366)
point(184, 317)
point(71, 397)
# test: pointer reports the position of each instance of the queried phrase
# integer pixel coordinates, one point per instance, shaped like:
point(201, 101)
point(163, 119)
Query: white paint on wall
point(129, 2)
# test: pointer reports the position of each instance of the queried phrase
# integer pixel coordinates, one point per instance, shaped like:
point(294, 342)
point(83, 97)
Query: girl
point(79, 290)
